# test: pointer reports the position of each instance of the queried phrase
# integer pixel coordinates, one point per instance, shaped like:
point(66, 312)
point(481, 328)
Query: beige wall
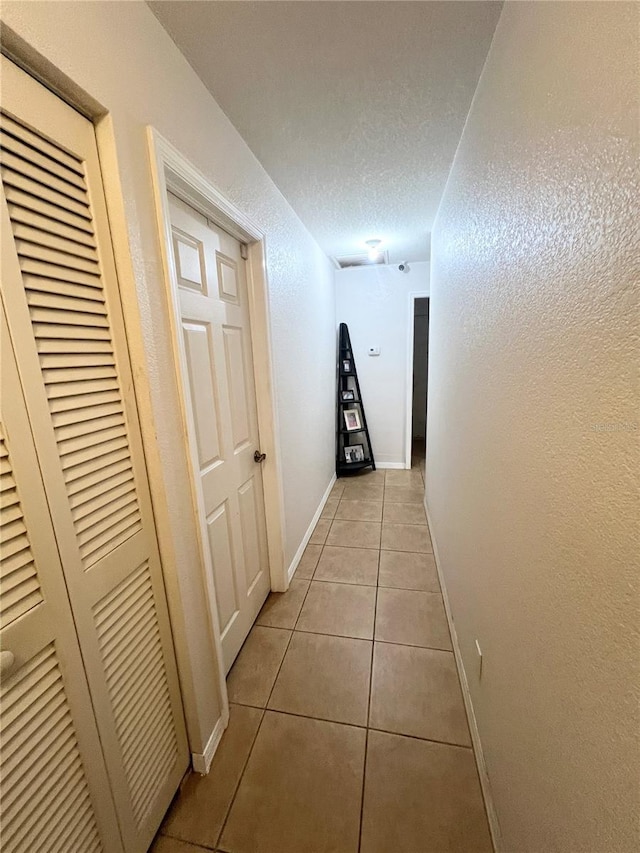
point(374, 303)
point(120, 56)
point(534, 414)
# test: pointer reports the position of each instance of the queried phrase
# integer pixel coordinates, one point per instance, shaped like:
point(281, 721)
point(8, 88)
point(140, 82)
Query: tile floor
point(347, 730)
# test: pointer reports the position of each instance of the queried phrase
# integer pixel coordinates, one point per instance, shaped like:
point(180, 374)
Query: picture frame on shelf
point(352, 420)
point(354, 453)
point(346, 365)
point(347, 396)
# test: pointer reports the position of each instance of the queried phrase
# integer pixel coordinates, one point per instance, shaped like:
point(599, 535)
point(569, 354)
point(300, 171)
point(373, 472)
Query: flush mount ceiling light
point(374, 251)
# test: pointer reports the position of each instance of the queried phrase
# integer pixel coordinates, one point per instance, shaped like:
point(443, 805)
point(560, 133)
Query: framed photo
point(346, 365)
point(354, 453)
point(352, 419)
point(346, 396)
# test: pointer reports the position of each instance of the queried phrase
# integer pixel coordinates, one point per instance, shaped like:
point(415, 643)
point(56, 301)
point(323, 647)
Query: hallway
point(347, 729)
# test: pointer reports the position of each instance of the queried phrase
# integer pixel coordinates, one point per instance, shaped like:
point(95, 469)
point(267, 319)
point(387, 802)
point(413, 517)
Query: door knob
point(259, 457)
point(6, 662)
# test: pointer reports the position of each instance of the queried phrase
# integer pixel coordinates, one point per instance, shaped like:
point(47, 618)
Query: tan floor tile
point(338, 489)
point(411, 478)
point(406, 570)
point(348, 565)
point(338, 608)
point(421, 796)
point(416, 692)
point(301, 790)
point(354, 534)
point(404, 494)
point(367, 476)
point(406, 537)
point(281, 609)
point(307, 565)
point(320, 532)
point(199, 811)
point(402, 513)
point(164, 844)
point(330, 507)
point(413, 618)
point(251, 677)
point(355, 491)
point(325, 677)
point(359, 510)
point(377, 476)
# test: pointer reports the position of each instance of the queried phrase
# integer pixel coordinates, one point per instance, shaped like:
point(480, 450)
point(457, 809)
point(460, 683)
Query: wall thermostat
point(373, 351)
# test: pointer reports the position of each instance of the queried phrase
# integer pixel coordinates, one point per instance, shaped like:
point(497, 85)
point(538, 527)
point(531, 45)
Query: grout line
point(290, 638)
point(322, 547)
point(417, 737)
point(422, 553)
point(341, 636)
point(357, 547)
point(292, 630)
point(375, 619)
point(195, 845)
point(346, 583)
point(344, 637)
point(366, 744)
point(358, 726)
point(319, 719)
point(412, 645)
point(240, 777)
point(364, 780)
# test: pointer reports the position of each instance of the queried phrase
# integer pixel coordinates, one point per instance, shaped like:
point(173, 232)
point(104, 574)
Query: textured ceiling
point(355, 109)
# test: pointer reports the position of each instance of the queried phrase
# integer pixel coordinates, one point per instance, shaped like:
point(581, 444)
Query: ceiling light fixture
point(374, 251)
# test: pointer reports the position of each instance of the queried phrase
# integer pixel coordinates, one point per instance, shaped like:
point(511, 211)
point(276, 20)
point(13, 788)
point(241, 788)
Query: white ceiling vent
point(362, 260)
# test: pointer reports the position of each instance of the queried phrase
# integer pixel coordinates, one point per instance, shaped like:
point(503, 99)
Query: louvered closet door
point(53, 782)
point(66, 325)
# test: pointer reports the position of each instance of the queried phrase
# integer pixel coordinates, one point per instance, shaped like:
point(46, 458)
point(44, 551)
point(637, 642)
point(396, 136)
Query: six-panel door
point(217, 357)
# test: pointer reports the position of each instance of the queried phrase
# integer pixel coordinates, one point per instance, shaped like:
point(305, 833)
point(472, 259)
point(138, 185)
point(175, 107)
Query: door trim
point(172, 172)
point(418, 294)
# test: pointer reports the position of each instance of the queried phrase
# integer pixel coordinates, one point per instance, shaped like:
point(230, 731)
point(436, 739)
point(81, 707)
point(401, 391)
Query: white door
point(222, 419)
point(62, 303)
point(54, 785)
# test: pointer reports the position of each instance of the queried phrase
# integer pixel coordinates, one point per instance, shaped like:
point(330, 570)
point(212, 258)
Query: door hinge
point(244, 251)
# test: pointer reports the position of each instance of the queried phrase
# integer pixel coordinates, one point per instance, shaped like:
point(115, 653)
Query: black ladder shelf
point(353, 445)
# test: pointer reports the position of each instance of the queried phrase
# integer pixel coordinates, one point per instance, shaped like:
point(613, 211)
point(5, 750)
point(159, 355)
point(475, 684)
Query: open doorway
point(418, 357)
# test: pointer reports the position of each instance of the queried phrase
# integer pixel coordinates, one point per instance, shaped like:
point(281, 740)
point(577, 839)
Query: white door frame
point(419, 294)
point(172, 172)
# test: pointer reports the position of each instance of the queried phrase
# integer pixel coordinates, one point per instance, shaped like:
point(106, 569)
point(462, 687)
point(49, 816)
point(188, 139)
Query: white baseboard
point(492, 816)
point(305, 539)
point(201, 761)
point(389, 464)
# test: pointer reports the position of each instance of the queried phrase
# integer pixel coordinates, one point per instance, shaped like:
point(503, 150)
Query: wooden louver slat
point(143, 712)
point(19, 585)
point(21, 201)
point(61, 274)
point(42, 770)
point(49, 224)
point(41, 159)
point(39, 143)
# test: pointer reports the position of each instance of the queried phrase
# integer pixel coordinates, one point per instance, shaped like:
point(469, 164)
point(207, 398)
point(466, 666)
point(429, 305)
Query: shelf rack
point(358, 436)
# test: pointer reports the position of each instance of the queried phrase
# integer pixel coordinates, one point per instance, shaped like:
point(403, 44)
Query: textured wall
point(534, 411)
point(374, 303)
point(120, 55)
